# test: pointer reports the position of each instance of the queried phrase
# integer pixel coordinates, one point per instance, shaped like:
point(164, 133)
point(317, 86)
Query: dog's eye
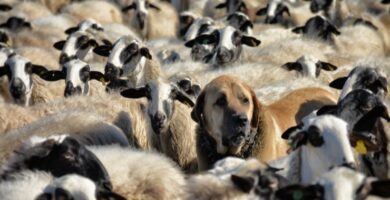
point(221, 101)
point(245, 100)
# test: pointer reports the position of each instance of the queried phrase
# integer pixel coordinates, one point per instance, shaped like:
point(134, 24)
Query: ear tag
point(205, 41)
point(297, 195)
point(253, 43)
point(104, 83)
point(360, 147)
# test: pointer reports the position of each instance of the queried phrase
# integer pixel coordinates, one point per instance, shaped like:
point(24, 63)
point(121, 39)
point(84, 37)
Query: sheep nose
point(141, 19)
point(71, 90)
point(223, 55)
point(159, 118)
point(64, 58)
point(240, 119)
point(17, 88)
point(110, 72)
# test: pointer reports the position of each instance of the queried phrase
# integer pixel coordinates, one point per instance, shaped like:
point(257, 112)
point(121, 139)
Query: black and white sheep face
point(309, 66)
point(325, 141)
point(362, 78)
point(85, 25)
point(233, 6)
point(340, 183)
point(76, 74)
point(15, 24)
point(19, 70)
point(141, 10)
point(274, 12)
point(60, 155)
point(318, 5)
point(75, 187)
point(318, 28)
point(227, 44)
point(77, 45)
point(161, 96)
point(241, 22)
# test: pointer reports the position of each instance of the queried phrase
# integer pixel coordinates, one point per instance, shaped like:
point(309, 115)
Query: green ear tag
point(205, 41)
point(297, 195)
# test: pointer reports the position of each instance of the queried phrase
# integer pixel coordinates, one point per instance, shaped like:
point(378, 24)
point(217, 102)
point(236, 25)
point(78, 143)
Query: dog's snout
point(240, 119)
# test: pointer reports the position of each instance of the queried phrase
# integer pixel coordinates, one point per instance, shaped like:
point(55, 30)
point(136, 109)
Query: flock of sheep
point(194, 99)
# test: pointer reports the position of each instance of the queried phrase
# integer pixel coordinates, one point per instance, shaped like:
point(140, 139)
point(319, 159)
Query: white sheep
point(173, 128)
point(320, 144)
point(153, 19)
point(141, 175)
point(309, 65)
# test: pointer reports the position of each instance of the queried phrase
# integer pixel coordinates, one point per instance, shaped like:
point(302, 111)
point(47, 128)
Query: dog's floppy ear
point(256, 109)
point(197, 111)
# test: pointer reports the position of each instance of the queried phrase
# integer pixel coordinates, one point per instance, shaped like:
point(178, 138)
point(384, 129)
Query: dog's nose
point(240, 119)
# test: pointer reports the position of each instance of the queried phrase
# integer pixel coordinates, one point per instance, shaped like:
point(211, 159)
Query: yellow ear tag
point(103, 81)
point(360, 147)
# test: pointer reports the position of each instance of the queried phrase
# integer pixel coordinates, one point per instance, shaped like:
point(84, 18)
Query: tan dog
point(232, 122)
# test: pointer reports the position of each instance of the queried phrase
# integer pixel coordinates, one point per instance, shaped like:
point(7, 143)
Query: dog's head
point(227, 109)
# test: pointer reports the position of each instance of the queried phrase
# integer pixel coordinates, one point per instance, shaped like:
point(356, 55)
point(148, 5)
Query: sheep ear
point(103, 50)
point(262, 11)
point(3, 71)
point(183, 97)
point(293, 66)
point(250, 41)
point(27, 25)
point(327, 66)
point(39, 69)
point(97, 76)
point(297, 139)
point(333, 29)
point(54, 75)
point(284, 9)
point(134, 93)
point(129, 7)
point(59, 45)
point(245, 184)
point(367, 122)
point(145, 52)
point(300, 192)
point(380, 188)
point(107, 42)
point(385, 2)
point(202, 39)
point(291, 130)
point(338, 83)
point(44, 196)
point(71, 30)
point(221, 5)
point(298, 30)
point(327, 109)
point(154, 7)
point(197, 111)
point(5, 7)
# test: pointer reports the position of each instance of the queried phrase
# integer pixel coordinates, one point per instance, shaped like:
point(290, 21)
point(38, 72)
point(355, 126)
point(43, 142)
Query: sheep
point(238, 137)
point(141, 175)
point(196, 28)
point(235, 178)
point(128, 58)
point(85, 25)
point(241, 22)
point(170, 120)
point(309, 65)
point(335, 11)
point(320, 144)
point(160, 22)
point(340, 183)
point(77, 75)
point(15, 24)
point(76, 187)
point(77, 45)
point(102, 11)
point(318, 28)
point(274, 12)
point(25, 185)
point(59, 155)
point(82, 125)
point(19, 71)
point(127, 115)
point(227, 43)
point(362, 77)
